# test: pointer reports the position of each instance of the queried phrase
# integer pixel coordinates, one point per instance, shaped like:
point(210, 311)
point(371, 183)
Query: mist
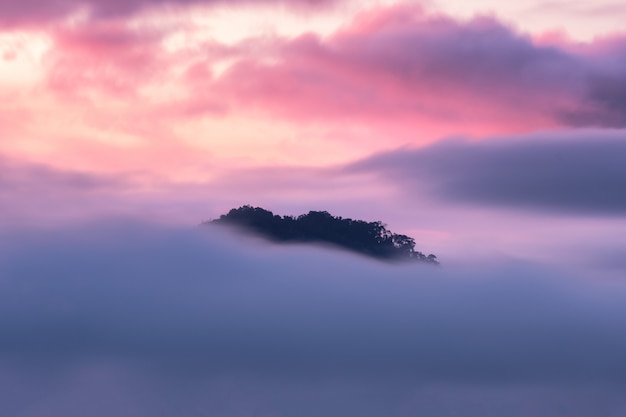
point(128, 318)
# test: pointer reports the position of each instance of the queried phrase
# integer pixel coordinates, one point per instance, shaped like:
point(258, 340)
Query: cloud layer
point(129, 303)
point(580, 172)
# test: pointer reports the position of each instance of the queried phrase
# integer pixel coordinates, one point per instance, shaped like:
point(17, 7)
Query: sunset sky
point(493, 132)
point(180, 110)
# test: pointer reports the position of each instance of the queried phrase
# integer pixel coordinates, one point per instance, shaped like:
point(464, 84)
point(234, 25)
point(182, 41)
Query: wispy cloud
point(38, 12)
point(597, 9)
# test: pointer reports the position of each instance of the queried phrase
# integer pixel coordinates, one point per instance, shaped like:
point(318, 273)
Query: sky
point(492, 132)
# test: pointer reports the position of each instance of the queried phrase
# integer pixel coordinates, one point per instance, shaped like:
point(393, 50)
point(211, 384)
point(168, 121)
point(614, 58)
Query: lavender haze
point(129, 318)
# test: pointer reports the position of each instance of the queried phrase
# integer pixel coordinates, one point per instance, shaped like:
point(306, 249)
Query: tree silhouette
point(368, 238)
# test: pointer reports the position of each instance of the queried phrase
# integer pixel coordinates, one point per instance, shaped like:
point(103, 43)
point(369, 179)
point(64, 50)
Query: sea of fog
point(128, 319)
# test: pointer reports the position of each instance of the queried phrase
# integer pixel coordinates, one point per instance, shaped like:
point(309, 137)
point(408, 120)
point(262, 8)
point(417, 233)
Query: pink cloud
point(393, 68)
point(46, 11)
point(394, 76)
point(107, 57)
point(398, 65)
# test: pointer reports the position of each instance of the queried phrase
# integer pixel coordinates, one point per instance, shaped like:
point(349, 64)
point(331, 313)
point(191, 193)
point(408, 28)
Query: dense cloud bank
point(575, 172)
point(138, 318)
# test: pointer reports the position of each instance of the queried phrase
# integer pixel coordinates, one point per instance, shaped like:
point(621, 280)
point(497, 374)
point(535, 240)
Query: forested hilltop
point(368, 238)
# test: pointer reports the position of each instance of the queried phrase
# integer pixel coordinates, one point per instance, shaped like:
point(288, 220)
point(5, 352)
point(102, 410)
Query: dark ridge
point(367, 238)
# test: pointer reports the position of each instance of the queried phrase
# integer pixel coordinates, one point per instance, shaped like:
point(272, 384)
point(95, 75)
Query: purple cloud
point(576, 172)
